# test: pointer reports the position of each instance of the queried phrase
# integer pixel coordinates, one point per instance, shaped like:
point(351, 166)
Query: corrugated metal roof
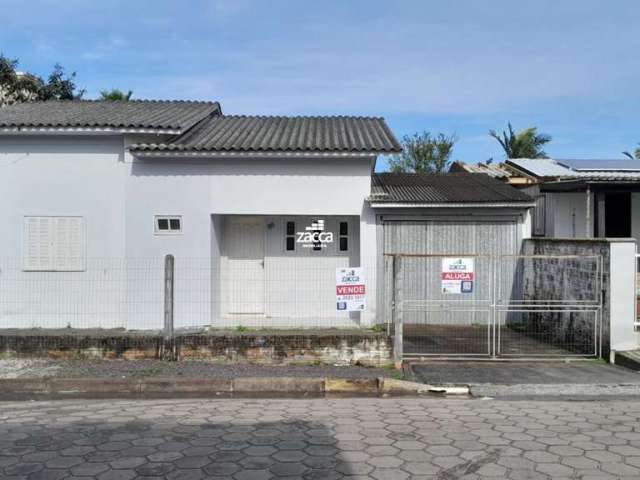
point(540, 167)
point(153, 114)
point(283, 134)
point(547, 168)
point(442, 188)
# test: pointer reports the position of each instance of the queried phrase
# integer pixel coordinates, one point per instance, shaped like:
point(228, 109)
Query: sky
point(461, 67)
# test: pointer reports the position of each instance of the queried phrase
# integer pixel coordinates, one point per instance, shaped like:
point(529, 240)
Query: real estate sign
point(350, 289)
point(457, 275)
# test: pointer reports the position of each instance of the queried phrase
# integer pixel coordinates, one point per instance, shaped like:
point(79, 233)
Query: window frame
point(286, 235)
point(347, 237)
point(539, 216)
point(157, 231)
point(331, 224)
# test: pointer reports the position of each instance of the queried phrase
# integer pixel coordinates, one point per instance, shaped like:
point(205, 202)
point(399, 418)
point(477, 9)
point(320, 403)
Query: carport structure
point(459, 280)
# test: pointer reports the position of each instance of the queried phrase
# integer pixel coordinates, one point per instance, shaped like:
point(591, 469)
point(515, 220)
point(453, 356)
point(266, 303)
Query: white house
point(95, 194)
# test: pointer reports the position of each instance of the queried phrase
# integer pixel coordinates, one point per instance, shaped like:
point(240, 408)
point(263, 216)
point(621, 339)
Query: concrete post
point(368, 260)
point(397, 311)
point(600, 215)
point(622, 285)
point(587, 226)
point(168, 296)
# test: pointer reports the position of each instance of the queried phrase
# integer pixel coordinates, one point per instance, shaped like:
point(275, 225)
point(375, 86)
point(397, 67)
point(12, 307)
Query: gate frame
point(495, 306)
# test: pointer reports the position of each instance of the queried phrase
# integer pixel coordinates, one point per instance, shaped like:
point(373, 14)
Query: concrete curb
point(564, 390)
point(254, 386)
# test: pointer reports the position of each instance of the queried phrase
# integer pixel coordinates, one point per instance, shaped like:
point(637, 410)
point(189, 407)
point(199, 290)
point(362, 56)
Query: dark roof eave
point(580, 185)
point(378, 203)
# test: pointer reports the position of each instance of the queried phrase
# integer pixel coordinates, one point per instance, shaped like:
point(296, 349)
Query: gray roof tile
point(442, 188)
point(152, 114)
point(283, 134)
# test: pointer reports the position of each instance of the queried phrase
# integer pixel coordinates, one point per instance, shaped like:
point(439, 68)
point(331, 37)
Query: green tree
point(61, 86)
point(634, 156)
point(18, 86)
point(115, 95)
point(424, 153)
point(527, 143)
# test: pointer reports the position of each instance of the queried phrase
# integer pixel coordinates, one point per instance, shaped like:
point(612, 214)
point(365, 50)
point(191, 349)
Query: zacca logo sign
point(315, 236)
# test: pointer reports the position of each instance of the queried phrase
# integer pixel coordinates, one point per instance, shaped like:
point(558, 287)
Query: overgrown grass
point(379, 328)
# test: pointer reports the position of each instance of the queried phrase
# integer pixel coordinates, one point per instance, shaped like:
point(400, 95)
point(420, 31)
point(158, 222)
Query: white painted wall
point(566, 214)
point(62, 176)
point(371, 261)
point(196, 189)
point(299, 285)
point(119, 196)
point(526, 225)
point(623, 296)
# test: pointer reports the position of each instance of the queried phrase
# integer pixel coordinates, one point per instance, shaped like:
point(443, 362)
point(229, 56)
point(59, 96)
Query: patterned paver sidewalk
point(320, 439)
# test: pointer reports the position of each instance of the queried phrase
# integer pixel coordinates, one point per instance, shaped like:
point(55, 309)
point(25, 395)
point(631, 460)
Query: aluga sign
point(315, 236)
point(457, 275)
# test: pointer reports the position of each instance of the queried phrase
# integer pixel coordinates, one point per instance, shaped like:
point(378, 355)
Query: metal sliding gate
point(496, 305)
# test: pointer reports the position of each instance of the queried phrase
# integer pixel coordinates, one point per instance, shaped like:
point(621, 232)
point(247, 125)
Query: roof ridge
point(133, 100)
point(303, 117)
point(435, 174)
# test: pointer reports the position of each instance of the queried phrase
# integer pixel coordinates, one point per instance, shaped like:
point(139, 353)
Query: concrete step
point(629, 359)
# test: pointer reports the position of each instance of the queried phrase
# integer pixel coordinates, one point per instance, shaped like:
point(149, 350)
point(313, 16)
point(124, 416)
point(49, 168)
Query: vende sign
point(350, 289)
point(457, 275)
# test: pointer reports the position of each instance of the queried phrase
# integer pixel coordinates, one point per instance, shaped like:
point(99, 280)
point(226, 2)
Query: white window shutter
point(54, 243)
point(77, 243)
point(68, 243)
point(38, 243)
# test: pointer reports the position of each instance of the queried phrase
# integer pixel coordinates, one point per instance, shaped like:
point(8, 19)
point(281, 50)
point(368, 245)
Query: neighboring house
point(95, 194)
point(583, 198)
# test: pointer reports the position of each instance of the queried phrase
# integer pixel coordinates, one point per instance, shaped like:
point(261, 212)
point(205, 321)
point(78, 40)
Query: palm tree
point(526, 143)
point(115, 95)
point(635, 156)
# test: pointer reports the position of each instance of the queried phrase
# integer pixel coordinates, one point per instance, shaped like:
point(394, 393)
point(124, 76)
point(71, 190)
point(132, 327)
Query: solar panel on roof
point(593, 165)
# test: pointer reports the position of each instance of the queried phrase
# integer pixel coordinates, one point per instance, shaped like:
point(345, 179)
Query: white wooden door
point(244, 251)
